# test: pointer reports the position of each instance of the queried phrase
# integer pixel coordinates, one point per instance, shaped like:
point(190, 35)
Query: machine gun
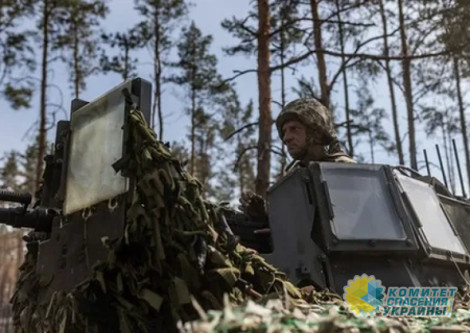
point(39, 219)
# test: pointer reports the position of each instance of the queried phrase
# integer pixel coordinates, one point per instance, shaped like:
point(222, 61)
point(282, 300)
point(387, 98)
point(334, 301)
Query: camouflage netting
point(174, 260)
point(324, 313)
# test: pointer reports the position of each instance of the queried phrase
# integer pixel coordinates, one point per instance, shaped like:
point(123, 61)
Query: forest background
point(394, 73)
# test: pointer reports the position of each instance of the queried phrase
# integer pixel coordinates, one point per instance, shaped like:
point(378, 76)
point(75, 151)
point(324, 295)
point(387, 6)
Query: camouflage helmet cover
point(315, 117)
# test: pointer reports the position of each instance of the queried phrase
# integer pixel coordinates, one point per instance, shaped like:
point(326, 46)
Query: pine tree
point(455, 36)
point(126, 43)
point(388, 72)
point(160, 18)
point(198, 76)
point(369, 122)
point(28, 161)
point(321, 63)
point(285, 32)
point(408, 89)
point(205, 131)
point(238, 146)
point(441, 121)
point(16, 53)
point(18, 170)
point(49, 27)
point(9, 172)
point(264, 100)
point(339, 35)
point(78, 41)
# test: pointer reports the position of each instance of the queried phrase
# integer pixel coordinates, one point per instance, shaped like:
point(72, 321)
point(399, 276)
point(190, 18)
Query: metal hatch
point(361, 208)
point(440, 237)
point(291, 213)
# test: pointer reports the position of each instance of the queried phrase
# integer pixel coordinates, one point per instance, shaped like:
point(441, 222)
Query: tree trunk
point(283, 91)
point(125, 74)
point(42, 111)
point(345, 82)
point(451, 161)
point(388, 70)
point(193, 131)
point(241, 166)
point(463, 123)
point(193, 113)
point(157, 105)
point(317, 35)
point(447, 157)
point(264, 100)
point(371, 146)
point(76, 61)
point(408, 88)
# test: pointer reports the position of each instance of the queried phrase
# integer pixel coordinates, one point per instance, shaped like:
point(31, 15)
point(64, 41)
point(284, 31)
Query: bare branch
point(344, 65)
point(344, 123)
point(309, 19)
point(238, 73)
point(395, 82)
point(239, 130)
point(251, 32)
point(239, 157)
point(308, 87)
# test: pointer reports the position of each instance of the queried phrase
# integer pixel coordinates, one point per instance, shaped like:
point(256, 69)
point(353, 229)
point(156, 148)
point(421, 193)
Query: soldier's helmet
point(314, 115)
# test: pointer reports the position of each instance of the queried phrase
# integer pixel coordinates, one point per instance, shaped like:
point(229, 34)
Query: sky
point(207, 14)
point(14, 125)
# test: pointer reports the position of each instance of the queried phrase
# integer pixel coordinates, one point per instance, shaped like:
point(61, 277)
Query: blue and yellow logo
point(364, 294)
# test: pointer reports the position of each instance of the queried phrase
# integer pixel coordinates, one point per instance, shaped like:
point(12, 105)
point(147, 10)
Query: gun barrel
point(39, 219)
point(23, 198)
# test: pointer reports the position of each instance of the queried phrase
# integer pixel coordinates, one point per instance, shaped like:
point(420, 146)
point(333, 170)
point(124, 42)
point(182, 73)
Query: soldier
point(305, 127)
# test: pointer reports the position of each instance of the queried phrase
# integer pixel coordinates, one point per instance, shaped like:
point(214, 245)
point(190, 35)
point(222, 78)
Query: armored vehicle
point(331, 221)
point(327, 222)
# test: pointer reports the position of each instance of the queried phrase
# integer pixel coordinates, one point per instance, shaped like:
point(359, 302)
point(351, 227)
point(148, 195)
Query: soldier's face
point(294, 136)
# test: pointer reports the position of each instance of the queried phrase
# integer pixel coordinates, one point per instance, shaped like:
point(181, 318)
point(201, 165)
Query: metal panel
point(459, 214)
point(434, 223)
point(96, 144)
point(360, 209)
point(362, 205)
point(391, 271)
point(67, 258)
point(291, 218)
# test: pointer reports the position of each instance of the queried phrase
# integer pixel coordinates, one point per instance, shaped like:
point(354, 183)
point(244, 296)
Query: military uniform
point(319, 127)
